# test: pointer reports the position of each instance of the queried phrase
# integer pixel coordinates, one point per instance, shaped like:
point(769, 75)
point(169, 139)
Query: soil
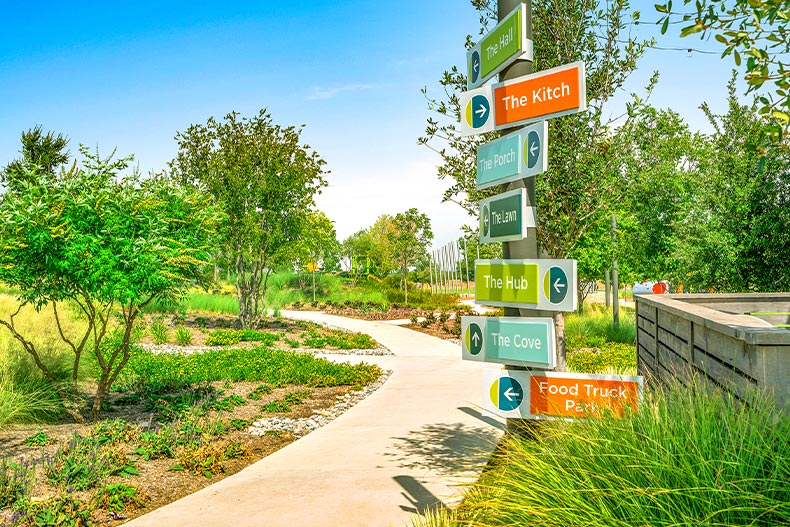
point(159, 485)
point(156, 483)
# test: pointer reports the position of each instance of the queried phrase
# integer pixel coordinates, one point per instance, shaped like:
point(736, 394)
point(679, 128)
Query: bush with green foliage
point(691, 455)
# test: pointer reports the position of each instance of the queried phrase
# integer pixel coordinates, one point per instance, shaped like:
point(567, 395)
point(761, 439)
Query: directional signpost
point(506, 217)
point(504, 44)
point(540, 395)
point(515, 156)
point(509, 340)
point(526, 99)
point(533, 284)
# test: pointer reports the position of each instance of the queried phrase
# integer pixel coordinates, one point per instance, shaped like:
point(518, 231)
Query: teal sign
point(509, 340)
point(499, 48)
point(515, 156)
point(506, 217)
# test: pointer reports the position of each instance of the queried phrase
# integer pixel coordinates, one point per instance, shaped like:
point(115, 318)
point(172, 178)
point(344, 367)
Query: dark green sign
point(505, 217)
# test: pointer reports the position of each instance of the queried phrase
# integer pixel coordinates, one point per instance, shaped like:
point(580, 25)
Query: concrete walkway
point(407, 448)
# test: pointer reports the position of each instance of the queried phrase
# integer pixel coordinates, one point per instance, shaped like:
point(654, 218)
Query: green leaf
point(176, 468)
point(721, 38)
point(665, 25)
point(661, 8)
point(782, 116)
point(737, 57)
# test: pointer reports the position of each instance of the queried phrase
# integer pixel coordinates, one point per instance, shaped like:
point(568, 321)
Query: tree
point(732, 235)
point(317, 243)
point(661, 176)
point(409, 243)
point(263, 180)
point(48, 152)
point(101, 244)
point(586, 151)
point(758, 30)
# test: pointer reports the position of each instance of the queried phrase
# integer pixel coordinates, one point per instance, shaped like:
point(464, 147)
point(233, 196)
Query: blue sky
point(130, 75)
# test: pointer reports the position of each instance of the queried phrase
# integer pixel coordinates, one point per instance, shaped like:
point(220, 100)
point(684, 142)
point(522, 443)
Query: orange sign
point(581, 397)
point(542, 95)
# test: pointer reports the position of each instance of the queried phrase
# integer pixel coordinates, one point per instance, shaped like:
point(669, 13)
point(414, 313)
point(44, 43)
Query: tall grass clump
point(196, 302)
point(692, 455)
point(596, 321)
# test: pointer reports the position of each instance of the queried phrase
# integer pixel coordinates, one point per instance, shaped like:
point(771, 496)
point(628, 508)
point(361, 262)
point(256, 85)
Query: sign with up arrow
point(509, 340)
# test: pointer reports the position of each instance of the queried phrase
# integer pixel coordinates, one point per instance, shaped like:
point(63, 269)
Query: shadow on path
point(421, 500)
point(447, 449)
point(479, 415)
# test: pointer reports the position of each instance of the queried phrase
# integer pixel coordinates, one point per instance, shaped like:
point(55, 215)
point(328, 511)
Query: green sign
point(503, 45)
point(506, 217)
point(544, 284)
point(509, 340)
point(506, 283)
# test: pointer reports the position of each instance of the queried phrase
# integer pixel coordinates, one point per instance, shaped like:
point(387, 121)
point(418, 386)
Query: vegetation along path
point(406, 449)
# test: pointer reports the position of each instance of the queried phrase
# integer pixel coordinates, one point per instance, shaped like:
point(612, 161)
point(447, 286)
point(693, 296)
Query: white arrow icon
point(481, 111)
point(558, 284)
point(475, 339)
point(476, 66)
point(510, 394)
point(533, 148)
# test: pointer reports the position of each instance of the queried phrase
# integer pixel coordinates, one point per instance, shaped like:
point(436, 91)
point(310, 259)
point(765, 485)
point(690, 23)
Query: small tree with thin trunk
point(106, 246)
point(264, 180)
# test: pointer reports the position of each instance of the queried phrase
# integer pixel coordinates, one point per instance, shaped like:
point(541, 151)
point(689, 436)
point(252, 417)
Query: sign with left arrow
point(506, 217)
point(512, 157)
point(546, 394)
point(499, 48)
point(533, 284)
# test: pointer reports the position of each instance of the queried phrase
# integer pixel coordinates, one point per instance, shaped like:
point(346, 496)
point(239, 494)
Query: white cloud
point(321, 94)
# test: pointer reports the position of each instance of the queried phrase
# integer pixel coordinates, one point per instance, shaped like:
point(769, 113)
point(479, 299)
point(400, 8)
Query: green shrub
point(82, 463)
point(118, 496)
point(183, 336)
point(40, 438)
point(223, 337)
point(16, 480)
point(60, 511)
point(692, 455)
point(160, 332)
point(258, 364)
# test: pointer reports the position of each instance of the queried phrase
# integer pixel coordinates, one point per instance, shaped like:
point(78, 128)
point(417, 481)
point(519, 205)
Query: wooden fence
point(733, 341)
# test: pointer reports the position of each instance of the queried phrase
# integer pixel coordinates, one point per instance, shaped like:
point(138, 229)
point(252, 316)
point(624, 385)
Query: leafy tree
point(101, 244)
point(263, 180)
point(409, 243)
point(755, 29)
point(586, 151)
point(47, 151)
point(317, 244)
point(733, 235)
point(661, 177)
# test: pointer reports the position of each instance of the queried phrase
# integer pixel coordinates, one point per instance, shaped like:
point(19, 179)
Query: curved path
point(408, 447)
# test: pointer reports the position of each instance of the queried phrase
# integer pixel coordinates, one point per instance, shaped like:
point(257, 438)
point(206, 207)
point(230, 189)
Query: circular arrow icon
point(506, 393)
point(474, 339)
point(532, 149)
point(555, 285)
point(477, 111)
point(474, 67)
point(485, 220)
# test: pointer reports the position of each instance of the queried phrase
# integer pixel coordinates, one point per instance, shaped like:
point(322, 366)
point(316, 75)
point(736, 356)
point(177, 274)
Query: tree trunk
point(559, 325)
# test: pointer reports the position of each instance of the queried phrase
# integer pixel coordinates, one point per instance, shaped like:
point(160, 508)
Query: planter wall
point(718, 337)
